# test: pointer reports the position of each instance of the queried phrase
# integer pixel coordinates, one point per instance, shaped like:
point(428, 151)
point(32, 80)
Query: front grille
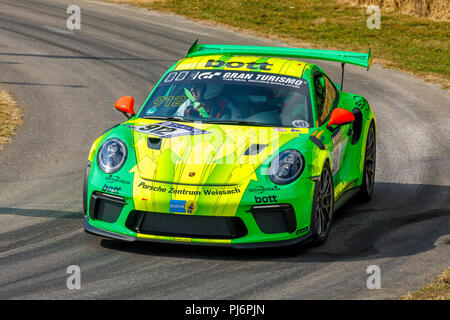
point(180, 225)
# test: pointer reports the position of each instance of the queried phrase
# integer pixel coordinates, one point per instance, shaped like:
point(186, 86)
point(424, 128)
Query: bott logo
point(236, 64)
point(267, 199)
point(111, 189)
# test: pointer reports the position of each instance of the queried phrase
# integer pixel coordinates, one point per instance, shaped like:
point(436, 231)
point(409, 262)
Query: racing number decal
point(338, 146)
point(156, 129)
point(167, 129)
point(170, 101)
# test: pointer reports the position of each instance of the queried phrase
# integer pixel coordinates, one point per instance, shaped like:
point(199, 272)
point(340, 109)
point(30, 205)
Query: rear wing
point(356, 58)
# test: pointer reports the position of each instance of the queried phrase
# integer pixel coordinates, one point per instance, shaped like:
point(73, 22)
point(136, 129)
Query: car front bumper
point(254, 245)
point(253, 224)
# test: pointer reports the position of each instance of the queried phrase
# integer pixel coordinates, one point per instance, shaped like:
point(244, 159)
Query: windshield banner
point(233, 77)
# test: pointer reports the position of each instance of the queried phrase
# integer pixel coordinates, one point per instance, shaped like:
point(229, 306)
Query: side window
point(319, 93)
point(330, 97)
point(325, 95)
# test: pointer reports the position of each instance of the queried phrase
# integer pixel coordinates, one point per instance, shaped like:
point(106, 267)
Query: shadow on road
point(401, 220)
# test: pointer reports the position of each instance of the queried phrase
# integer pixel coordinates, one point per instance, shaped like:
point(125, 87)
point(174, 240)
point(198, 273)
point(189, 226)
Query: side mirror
point(126, 106)
point(340, 116)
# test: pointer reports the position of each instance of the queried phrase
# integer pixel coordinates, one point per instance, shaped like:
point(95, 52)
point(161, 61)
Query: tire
point(323, 207)
point(368, 178)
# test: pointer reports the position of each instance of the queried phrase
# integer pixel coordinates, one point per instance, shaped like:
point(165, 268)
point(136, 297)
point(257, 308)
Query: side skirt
point(347, 195)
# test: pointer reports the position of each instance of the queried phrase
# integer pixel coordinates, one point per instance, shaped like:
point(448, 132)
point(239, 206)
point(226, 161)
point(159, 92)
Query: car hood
point(201, 154)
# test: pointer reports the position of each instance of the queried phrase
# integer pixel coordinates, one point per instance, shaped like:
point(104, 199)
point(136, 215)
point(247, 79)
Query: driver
point(291, 105)
point(204, 101)
point(279, 98)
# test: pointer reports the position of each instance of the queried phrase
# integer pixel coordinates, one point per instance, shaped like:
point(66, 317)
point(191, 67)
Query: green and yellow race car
point(240, 146)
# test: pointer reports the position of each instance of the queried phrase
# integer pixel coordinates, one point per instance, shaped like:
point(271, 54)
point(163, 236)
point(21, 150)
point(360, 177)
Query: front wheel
point(323, 207)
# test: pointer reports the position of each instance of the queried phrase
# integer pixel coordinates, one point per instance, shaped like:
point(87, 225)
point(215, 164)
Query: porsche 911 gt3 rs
point(240, 146)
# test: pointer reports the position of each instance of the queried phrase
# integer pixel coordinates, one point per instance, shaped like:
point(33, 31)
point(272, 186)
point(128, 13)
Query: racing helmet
point(212, 90)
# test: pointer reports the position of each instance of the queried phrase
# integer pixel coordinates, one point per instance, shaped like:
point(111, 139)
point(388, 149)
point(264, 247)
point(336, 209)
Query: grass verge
point(439, 289)
point(10, 117)
point(416, 45)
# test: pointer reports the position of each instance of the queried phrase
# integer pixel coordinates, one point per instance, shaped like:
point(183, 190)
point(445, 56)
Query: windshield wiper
point(244, 123)
point(181, 119)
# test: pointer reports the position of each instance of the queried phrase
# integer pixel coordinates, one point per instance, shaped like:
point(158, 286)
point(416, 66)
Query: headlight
point(112, 155)
point(286, 167)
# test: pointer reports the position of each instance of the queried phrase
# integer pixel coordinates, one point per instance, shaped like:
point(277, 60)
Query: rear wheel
point(323, 207)
point(366, 190)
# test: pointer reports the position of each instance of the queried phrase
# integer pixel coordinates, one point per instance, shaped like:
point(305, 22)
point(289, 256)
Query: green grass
point(10, 117)
point(439, 289)
point(413, 44)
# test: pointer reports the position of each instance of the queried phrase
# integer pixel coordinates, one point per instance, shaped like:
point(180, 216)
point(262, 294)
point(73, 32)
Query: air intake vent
point(104, 207)
point(275, 218)
point(182, 225)
point(254, 149)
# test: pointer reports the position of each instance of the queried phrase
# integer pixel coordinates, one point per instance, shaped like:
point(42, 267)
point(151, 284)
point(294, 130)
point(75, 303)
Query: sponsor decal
point(168, 129)
point(116, 179)
point(111, 189)
point(264, 199)
point(279, 129)
point(191, 207)
point(338, 147)
point(236, 64)
point(177, 76)
point(207, 192)
point(300, 124)
point(183, 191)
point(183, 206)
point(262, 78)
point(177, 206)
point(223, 76)
point(261, 189)
point(145, 186)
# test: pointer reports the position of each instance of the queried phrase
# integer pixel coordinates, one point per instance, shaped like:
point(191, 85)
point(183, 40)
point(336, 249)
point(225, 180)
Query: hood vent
point(154, 143)
point(254, 149)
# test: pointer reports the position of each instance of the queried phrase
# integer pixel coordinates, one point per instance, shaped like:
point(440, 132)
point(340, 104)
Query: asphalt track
point(67, 84)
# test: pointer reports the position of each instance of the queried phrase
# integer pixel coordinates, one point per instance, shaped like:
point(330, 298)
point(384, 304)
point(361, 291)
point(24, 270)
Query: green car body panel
point(240, 201)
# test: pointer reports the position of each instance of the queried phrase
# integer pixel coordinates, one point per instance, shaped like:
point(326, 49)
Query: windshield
point(222, 96)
